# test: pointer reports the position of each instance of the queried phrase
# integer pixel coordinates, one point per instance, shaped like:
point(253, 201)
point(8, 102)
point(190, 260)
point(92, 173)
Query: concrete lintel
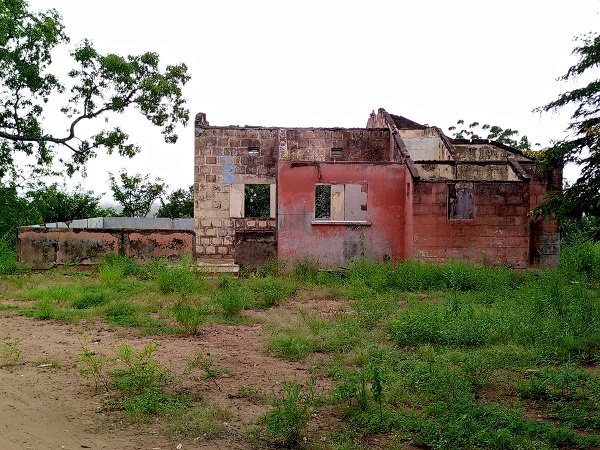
point(351, 223)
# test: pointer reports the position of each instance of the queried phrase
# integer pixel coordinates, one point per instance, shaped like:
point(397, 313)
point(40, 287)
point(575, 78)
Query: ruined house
point(393, 190)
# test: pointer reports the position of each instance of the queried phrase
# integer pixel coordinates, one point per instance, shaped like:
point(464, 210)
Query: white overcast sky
point(330, 63)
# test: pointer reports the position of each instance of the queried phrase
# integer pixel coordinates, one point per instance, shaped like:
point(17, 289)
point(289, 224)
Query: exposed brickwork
point(545, 233)
point(497, 234)
point(222, 160)
point(405, 169)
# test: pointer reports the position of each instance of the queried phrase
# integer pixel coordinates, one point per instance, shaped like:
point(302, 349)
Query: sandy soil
point(45, 403)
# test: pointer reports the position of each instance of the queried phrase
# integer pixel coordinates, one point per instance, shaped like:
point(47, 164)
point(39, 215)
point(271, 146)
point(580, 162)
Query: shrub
point(188, 316)
point(141, 384)
point(271, 291)
point(289, 414)
point(8, 257)
point(230, 296)
point(182, 278)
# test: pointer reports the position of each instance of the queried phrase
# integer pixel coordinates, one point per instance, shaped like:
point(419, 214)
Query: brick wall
point(316, 144)
point(222, 160)
point(497, 234)
point(545, 232)
point(333, 244)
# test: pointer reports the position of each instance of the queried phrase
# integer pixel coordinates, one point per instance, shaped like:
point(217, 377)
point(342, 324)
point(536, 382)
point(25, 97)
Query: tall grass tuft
point(230, 296)
point(113, 268)
point(181, 278)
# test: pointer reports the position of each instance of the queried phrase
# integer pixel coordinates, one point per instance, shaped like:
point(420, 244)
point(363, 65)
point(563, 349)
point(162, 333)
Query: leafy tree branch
point(99, 84)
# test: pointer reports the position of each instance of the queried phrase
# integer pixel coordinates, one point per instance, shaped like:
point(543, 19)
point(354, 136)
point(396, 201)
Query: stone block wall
point(301, 144)
point(223, 158)
point(545, 232)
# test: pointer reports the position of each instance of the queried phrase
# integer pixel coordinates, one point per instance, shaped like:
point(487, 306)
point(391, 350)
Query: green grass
point(438, 356)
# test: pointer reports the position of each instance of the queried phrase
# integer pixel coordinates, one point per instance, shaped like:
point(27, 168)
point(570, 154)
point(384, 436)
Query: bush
point(230, 296)
point(581, 259)
point(271, 291)
point(141, 384)
point(8, 258)
point(182, 278)
point(188, 316)
point(290, 413)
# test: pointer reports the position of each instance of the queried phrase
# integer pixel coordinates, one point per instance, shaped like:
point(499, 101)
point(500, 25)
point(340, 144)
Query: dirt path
point(45, 403)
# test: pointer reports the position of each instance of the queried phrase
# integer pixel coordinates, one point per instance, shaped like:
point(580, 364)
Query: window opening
point(341, 202)
point(323, 201)
point(253, 151)
point(337, 152)
point(257, 200)
point(460, 201)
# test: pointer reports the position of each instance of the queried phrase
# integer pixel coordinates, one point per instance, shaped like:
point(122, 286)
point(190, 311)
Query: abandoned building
point(393, 190)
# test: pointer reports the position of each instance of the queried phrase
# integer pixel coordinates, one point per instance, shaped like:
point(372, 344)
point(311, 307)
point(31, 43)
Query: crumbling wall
point(43, 248)
point(316, 144)
point(482, 150)
point(545, 232)
point(497, 233)
point(224, 158)
point(334, 242)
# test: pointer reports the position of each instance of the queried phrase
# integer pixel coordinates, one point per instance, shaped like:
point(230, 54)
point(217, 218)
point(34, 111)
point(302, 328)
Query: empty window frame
point(253, 151)
point(341, 202)
point(337, 152)
point(460, 201)
point(252, 201)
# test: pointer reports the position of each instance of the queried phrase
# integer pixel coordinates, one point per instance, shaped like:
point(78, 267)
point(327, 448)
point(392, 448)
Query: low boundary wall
point(46, 246)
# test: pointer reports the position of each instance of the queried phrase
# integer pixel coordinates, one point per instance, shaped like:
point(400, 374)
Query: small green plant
point(181, 278)
point(199, 421)
point(230, 296)
point(10, 353)
point(94, 365)
point(206, 362)
point(141, 385)
point(189, 317)
point(272, 268)
point(90, 299)
point(377, 389)
point(290, 413)
point(271, 291)
point(123, 313)
point(114, 268)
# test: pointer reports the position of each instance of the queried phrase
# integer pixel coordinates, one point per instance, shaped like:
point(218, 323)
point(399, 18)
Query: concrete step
point(217, 266)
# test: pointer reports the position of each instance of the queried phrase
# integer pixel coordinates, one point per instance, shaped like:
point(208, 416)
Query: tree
point(506, 136)
point(15, 211)
point(54, 203)
point(98, 85)
point(136, 193)
point(179, 204)
point(582, 146)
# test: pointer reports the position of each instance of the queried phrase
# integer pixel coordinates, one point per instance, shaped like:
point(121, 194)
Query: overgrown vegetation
point(440, 356)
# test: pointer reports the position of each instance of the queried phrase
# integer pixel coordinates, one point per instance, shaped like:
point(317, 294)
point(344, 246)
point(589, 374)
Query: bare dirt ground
point(45, 403)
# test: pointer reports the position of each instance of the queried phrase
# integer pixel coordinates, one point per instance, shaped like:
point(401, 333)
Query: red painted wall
point(334, 244)
point(498, 233)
